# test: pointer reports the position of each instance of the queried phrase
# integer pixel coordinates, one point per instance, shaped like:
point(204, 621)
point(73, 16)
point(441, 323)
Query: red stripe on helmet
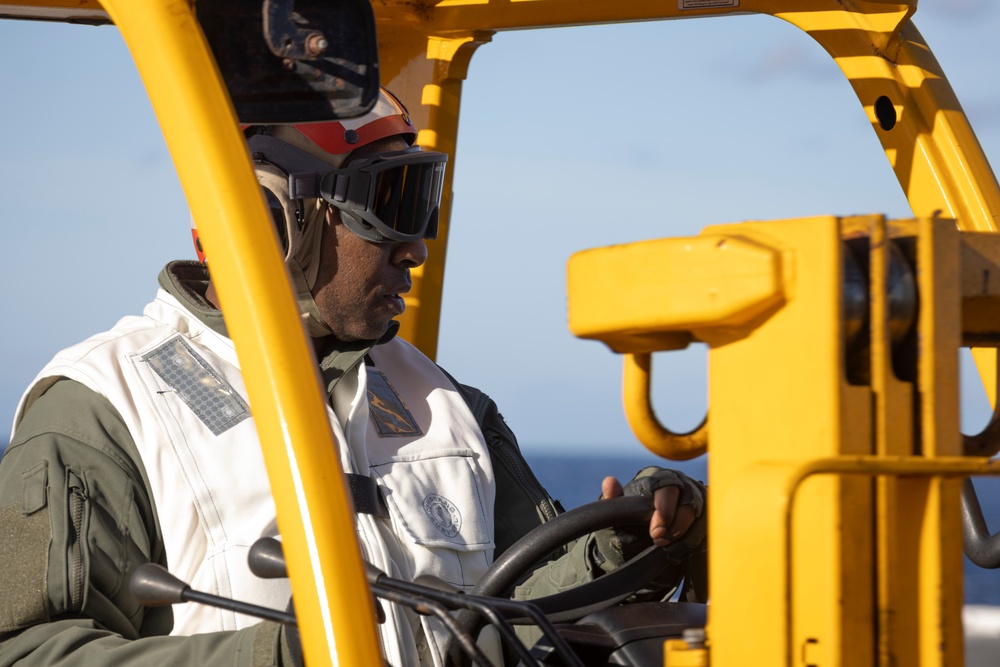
point(197, 245)
point(333, 137)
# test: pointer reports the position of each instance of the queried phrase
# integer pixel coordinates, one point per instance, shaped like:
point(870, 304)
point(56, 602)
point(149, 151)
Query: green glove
point(612, 547)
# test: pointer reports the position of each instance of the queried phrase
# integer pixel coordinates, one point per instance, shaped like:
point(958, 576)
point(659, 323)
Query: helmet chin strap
point(315, 325)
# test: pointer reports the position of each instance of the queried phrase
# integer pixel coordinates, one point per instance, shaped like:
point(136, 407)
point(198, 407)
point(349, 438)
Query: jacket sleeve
point(522, 504)
point(76, 518)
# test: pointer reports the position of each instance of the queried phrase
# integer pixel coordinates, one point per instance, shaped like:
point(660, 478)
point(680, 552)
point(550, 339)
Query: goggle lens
point(405, 197)
point(390, 196)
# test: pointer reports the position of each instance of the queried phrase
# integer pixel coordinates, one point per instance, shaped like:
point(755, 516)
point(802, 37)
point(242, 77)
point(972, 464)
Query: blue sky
point(569, 139)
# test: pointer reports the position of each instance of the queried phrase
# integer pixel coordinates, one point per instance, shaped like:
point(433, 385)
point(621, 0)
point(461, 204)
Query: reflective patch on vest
point(386, 408)
point(211, 398)
point(443, 513)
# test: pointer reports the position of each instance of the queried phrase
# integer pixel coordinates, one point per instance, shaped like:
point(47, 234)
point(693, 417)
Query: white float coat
point(178, 387)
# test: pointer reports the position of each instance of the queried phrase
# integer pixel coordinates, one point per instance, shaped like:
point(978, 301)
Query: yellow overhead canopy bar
point(425, 50)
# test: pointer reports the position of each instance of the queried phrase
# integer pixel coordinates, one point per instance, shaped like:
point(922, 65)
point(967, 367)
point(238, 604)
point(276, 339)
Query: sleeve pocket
point(36, 482)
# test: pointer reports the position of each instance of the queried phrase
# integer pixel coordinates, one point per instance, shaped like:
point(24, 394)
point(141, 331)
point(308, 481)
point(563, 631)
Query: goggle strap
point(304, 186)
point(340, 187)
point(347, 189)
point(304, 171)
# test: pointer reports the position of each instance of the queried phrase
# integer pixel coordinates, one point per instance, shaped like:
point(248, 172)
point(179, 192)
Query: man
point(137, 445)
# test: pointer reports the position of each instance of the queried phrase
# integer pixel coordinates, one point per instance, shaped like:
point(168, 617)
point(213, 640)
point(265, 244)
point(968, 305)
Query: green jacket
point(76, 517)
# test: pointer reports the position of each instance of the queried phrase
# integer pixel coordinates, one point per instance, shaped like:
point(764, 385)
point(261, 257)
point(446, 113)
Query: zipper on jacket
point(77, 506)
point(524, 476)
point(479, 405)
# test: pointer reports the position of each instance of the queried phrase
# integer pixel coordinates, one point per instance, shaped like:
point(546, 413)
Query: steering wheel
point(592, 596)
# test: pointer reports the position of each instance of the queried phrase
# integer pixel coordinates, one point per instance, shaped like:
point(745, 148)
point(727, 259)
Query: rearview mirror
point(294, 61)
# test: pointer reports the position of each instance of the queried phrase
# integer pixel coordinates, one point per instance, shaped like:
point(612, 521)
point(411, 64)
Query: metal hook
point(641, 417)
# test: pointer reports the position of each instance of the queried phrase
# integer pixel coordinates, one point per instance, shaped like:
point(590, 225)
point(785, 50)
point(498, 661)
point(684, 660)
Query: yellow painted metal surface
point(659, 295)
point(779, 397)
point(814, 410)
point(778, 401)
point(426, 71)
point(937, 159)
point(677, 653)
point(54, 10)
point(779, 484)
point(315, 515)
point(811, 563)
point(625, 292)
point(836, 572)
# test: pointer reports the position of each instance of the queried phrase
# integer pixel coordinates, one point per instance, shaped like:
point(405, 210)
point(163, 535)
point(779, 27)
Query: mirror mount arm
point(287, 40)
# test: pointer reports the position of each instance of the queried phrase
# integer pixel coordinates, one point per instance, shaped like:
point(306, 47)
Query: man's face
point(360, 285)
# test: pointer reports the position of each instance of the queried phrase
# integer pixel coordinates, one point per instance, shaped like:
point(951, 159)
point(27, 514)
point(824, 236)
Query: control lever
point(153, 586)
point(267, 561)
point(424, 594)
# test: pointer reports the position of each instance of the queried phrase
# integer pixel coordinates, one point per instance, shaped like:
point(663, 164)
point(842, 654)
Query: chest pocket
point(438, 499)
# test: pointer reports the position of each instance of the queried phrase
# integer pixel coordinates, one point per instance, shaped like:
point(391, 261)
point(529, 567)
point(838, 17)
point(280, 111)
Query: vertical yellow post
point(916, 406)
point(940, 335)
point(426, 71)
point(778, 393)
point(333, 602)
point(896, 499)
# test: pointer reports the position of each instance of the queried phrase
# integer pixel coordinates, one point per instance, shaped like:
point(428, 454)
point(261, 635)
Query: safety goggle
point(389, 196)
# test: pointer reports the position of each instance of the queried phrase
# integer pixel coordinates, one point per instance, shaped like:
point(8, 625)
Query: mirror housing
point(294, 61)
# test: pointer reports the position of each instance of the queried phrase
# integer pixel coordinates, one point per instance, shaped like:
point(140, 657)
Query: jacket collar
point(187, 281)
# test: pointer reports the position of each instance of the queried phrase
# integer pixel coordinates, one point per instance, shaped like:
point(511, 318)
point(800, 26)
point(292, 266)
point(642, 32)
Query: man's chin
point(373, 332)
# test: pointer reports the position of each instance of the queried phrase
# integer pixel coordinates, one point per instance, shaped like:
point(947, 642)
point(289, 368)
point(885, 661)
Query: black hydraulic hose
point(528, 610)
point(432, 608)
point(487, 607)
point(461, 601)
point(981, 548)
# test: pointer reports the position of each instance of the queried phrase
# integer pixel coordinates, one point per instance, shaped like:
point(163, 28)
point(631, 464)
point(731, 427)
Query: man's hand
point(678, 503)
point(670, 519)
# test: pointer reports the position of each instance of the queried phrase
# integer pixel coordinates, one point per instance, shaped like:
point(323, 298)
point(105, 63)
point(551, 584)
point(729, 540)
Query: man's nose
point(410, 253)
